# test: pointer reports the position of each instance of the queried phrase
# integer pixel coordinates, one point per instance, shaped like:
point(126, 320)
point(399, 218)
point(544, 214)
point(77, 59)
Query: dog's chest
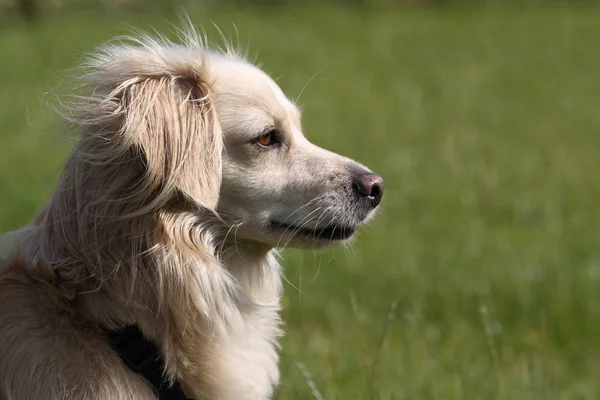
point(246, 360)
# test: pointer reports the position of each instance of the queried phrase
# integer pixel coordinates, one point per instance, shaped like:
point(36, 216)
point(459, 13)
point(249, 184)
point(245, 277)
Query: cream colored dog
point(190, 169)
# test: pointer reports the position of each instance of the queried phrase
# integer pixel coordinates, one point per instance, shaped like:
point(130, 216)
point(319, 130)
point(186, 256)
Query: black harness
point(143, 357)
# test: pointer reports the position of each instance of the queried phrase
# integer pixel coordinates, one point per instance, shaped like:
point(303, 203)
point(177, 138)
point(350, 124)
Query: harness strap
point(143, 357)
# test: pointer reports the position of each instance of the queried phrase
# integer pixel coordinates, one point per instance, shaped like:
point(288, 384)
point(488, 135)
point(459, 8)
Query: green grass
point(484, 122)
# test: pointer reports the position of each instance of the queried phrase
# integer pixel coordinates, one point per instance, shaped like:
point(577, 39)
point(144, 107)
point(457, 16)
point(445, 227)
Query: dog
point(190, 171)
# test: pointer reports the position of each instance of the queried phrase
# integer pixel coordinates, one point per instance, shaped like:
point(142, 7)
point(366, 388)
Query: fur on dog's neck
point(171, 275)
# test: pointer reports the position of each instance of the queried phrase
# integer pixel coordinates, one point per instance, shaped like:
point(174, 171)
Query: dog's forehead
point(239, 83)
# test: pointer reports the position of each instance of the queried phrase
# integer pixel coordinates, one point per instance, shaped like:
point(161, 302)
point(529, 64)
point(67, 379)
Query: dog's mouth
point(329, 233)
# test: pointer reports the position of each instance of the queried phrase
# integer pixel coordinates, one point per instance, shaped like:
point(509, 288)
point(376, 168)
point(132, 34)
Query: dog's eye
point(268, 138)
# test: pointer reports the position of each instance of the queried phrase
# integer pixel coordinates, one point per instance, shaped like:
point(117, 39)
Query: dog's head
point(277, 187)
point(205, 128)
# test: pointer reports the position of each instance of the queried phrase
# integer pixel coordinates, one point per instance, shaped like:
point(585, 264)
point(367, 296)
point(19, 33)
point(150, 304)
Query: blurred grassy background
point(484, 121)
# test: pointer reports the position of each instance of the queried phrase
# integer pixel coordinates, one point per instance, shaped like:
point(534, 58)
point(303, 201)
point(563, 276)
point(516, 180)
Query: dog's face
point(277, 187)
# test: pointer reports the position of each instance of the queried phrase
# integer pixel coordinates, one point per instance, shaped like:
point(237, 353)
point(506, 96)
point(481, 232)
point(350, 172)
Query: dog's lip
point(329, 232)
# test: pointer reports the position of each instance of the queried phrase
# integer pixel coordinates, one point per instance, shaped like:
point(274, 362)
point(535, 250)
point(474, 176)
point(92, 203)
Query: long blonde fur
point(130, 236)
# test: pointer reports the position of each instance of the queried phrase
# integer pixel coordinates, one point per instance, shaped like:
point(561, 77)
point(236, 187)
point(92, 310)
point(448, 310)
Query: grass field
point(485, 123)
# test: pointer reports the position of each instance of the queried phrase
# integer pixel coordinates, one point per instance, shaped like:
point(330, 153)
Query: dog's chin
point(308, 237)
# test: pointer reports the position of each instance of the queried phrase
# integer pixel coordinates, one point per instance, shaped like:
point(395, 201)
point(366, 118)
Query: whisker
point(227, 235)
point(235, 241)
point(296, 228)
point(317, 224)
point(302, 225)
point(299, 290)
point(308, 82)
point(303, 206)
point(318, 265)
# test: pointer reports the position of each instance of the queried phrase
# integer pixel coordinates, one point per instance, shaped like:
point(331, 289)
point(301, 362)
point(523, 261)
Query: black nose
point(371, 186)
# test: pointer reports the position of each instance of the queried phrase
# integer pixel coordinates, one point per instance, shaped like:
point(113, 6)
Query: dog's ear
point(153, 103)
point(172, 122)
